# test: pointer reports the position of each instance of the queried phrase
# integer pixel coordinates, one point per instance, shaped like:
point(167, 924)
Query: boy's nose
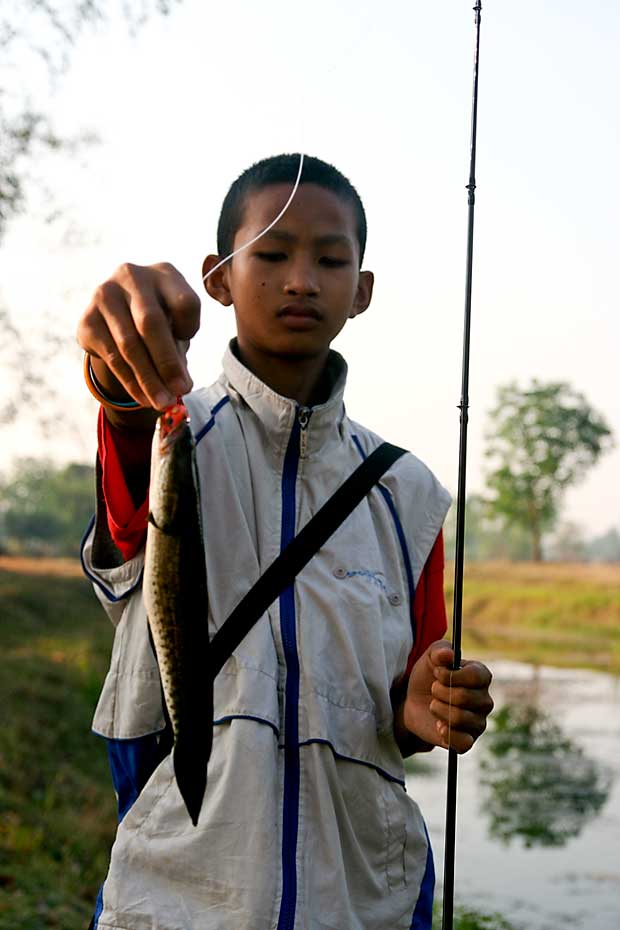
point(301, 279)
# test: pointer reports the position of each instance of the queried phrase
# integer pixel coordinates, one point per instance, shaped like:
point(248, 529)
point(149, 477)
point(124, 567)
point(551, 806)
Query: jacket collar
point(277, 413)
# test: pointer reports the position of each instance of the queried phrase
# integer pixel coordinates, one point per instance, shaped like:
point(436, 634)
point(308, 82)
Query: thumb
point(182, 346)
point(441, 654)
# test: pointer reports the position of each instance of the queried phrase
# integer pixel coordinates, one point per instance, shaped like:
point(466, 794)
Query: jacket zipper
point(290, 815)
point(303, 418)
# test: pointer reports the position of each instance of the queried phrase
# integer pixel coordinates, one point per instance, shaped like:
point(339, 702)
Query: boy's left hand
point(444, 707)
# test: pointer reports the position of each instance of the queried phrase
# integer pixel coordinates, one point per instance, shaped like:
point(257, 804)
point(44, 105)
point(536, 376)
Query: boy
point(305, 821)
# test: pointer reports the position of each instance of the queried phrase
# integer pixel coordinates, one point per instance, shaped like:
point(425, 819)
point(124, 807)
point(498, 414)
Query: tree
point(539, 786)
point(568, 544)
point(37, 39)
point(605, 548)
point(44, 510)
point(486, 536)
point(44, 31)
point(542, 439)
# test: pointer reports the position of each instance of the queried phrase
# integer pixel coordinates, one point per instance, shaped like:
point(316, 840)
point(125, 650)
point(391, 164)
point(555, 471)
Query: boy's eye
point(333, 262)
point(271, 256)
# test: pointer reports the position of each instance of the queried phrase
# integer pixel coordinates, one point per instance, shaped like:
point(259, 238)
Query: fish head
point(173, 483)
point(171, 424)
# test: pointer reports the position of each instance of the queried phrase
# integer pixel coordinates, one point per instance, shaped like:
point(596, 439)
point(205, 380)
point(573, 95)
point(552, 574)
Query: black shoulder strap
point(298, 553)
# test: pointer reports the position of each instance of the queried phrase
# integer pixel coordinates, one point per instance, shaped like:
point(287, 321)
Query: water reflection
point(538, 785)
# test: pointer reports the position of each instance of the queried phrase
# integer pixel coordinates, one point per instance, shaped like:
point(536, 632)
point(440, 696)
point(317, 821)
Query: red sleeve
point(117, 450)
point(429, 605)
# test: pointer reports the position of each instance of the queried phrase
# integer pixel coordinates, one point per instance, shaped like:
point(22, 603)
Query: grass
point(57, 809)
point(466, 919)
point(546, 614)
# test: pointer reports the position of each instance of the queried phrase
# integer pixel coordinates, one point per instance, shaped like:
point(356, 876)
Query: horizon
point(545, 291)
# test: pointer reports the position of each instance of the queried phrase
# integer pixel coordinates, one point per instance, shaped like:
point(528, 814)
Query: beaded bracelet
point(95, 389)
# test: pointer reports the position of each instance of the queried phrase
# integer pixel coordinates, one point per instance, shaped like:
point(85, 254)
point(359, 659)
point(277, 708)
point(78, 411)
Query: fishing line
point(452, 671)
point(450, 710)
point(263, 232)
point(342, 59)
point(451, 799)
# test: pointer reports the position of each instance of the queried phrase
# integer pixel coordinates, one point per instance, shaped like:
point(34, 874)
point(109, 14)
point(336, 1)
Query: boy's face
point(296, 287)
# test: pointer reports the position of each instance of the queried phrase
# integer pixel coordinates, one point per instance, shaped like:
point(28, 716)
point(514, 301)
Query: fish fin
point(166, 737)
point(174, 527)
point(190, 770)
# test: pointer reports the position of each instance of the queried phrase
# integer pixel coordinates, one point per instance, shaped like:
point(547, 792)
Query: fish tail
point(190, 769)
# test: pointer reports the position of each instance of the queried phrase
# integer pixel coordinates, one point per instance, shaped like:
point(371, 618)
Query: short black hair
point(283, 169)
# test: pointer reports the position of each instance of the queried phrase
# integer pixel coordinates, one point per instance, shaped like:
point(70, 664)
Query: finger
point(453, 739)
point(183, 348)
point(95, 338)
point(114, 361)
point(465, 721)
point(128, 346)
point(471, 674)
point(441, 654)
point(476, 699)
point(92, 330)
point(181, 302)
point(152, 323)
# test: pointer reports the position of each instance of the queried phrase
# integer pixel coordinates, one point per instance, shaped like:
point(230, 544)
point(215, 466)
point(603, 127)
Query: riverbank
point(57, 809)
point(538, 802)
point(564, 615)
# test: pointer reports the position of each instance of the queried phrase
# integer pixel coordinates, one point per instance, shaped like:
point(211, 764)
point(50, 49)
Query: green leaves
point(44, 510)
point(57, 808)
point(541, 440)
point(539, 786)
point(45, 32)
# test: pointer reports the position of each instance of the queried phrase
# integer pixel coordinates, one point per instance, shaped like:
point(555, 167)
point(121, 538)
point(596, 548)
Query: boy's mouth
point(299, 317)
point(300, 312)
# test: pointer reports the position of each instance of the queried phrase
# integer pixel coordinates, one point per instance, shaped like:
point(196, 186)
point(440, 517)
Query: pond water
point(538, 822)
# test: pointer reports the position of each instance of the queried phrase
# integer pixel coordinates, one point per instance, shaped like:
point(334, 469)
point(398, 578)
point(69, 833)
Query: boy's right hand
point(137, 329)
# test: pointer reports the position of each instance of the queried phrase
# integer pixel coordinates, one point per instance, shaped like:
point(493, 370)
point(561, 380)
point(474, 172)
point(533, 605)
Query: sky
point(384, 92)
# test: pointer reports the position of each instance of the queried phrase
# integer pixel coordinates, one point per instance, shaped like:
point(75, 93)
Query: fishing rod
point(450, 835)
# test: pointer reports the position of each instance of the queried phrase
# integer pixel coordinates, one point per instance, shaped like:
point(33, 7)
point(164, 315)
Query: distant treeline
point(44, 510)
point(489, 538)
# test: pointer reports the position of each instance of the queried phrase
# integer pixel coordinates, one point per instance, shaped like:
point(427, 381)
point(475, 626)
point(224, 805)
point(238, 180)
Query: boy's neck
point(301, 379)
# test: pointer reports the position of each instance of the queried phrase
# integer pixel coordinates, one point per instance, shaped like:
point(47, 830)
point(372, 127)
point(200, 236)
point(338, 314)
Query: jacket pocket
point(395, 835)
point(149, 798)
point(407, 843)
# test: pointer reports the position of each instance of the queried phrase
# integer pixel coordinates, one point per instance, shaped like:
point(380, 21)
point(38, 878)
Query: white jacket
point(305, 824)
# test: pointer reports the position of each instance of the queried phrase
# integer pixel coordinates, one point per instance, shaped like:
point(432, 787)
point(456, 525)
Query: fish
point(176, 600)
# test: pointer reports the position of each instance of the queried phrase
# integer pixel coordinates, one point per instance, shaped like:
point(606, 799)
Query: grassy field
point(57, 810)
point(547, 614)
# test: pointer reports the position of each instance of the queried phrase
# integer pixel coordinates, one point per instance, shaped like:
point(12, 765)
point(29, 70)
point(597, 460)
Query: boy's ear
point(216, 285)
point(363, 294)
